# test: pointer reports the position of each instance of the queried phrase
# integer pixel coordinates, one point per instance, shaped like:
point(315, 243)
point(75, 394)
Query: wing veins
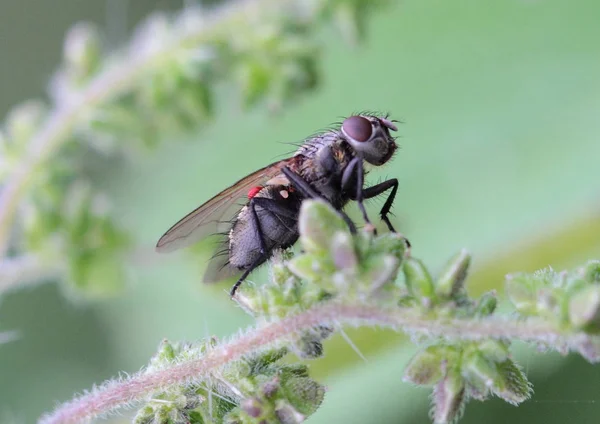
point(203, 220)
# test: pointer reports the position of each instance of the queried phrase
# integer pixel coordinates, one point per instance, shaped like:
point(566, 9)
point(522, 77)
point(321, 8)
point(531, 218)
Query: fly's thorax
point(333, 161)
point(323, 163)
point(313, 144)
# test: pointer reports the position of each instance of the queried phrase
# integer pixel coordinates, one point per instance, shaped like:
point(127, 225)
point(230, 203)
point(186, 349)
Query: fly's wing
point(204, 221)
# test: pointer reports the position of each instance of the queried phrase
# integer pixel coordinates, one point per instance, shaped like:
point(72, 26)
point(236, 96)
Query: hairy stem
point(117, 394)
point(109, 84)
point(26, 270)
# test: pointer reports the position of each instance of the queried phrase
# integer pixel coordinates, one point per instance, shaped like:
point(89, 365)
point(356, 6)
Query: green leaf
point(425, 368)
point(515, 387)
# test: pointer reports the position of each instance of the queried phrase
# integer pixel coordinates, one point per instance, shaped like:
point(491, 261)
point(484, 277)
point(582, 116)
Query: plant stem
point(26, 270)
point(115, 394)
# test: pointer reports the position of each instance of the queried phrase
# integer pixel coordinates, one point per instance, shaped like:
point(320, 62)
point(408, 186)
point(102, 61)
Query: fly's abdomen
point(277, 226)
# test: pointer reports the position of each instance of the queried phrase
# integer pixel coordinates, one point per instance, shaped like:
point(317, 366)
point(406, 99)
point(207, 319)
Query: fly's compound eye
point(357, 128)
point(389, 124)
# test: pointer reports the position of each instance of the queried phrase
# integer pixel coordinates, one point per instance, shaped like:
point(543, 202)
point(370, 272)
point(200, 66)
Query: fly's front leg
point(308, 192)
point(355, 168)
point(380, 188)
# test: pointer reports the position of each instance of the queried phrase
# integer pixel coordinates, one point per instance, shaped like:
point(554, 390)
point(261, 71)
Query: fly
point(328, 166)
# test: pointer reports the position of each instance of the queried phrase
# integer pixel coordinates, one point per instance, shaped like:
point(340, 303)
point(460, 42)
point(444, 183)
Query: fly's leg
point(247, 272)
point(380, 188)
point(309, 192)
point(356, 167)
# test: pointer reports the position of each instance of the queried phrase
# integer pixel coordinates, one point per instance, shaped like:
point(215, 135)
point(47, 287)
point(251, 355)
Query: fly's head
point(370, 137)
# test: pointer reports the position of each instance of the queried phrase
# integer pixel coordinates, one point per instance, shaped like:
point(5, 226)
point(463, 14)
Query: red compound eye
point(357, 128)
point(254, 191)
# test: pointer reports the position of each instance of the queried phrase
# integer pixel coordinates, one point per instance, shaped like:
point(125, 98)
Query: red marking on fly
point(254, 191)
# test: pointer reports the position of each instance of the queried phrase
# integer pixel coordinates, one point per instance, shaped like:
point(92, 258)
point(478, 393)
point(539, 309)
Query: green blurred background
point(500, 154)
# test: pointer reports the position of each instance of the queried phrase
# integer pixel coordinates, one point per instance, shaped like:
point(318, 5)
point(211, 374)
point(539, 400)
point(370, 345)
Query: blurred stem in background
point(26, 270)
point(161, 83)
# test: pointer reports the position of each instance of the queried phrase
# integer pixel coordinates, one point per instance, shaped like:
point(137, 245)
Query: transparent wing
point(206, 219)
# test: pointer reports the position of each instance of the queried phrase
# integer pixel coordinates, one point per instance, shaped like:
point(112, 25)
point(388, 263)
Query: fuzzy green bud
point(584, 307)
point(308, 267)
point(494, 350)
point(318, 224)
point(453, 276)
point(591, 272)
point(280, 273)
point(82, 50)
point(309, 344)
point(270, 387)
point(418, 280)
point(308, 348)
point(448, 398)
point(252, 407)
point(388, 243)
point(304, 394)
point(166, 352)
point(23, 121)
point(425, 368)
point(486, 305)
point(343, 253)
point(523, 291)
point(287, 414)
point(480, 372)
point(512, 386)
point(381, 271)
